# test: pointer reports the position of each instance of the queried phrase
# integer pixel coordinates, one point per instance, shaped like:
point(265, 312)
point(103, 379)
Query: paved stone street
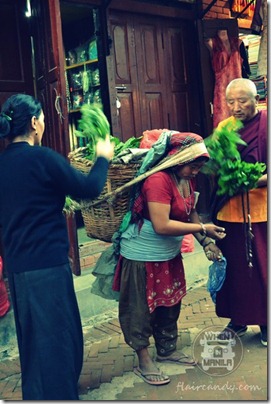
point(107, 372)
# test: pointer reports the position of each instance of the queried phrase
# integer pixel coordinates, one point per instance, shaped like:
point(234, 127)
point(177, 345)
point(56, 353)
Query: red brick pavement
point(107, 356)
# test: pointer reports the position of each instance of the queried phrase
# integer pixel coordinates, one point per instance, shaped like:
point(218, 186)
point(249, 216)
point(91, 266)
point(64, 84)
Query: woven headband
point(187, 154)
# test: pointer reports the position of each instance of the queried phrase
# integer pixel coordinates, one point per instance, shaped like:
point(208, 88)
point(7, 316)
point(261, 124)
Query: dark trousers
point(49, 333)
point(137, 323)
point(164, 326)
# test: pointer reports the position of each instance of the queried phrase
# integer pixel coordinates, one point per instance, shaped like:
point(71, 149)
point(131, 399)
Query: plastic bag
point(150, 137)
point(217, 275)
point(92, 50)
point(104, 271)
point(188, 243)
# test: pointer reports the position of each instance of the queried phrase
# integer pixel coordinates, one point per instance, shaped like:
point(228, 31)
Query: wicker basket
point(103, 215)
point(101, 221)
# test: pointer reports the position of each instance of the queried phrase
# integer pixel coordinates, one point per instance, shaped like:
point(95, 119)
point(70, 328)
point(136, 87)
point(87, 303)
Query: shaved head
point(248, 86)
point(242, 99)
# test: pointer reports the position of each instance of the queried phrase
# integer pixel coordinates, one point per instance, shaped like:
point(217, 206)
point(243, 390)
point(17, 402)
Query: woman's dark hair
point(201, 159)
point(16, 115)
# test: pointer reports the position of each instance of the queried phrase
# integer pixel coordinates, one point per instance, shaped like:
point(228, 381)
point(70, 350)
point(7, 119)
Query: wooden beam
point(208, 8)
point(154, 8)
point(244, 9)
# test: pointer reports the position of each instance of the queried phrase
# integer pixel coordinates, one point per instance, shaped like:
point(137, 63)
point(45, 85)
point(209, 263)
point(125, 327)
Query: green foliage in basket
point(131, 143)
point(233, 174)
point(70, 205)
point(93, 125)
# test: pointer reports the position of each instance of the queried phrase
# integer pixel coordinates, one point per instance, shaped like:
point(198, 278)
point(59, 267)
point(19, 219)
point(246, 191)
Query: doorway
point(152, 74)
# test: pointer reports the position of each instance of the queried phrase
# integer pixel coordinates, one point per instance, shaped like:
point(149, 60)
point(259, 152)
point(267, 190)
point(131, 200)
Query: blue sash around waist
point(146, 245)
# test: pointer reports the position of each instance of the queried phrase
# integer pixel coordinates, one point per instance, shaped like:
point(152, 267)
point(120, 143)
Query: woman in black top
point(34, 182)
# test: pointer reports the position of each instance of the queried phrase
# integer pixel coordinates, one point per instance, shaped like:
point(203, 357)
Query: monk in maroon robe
point(243, 297)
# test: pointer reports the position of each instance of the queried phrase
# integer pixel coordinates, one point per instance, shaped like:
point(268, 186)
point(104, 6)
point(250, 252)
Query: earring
point(36, 133)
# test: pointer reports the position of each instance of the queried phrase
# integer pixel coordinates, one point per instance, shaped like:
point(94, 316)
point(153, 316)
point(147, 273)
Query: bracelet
point(203, 230)
point(202, 240)
point(210, 242)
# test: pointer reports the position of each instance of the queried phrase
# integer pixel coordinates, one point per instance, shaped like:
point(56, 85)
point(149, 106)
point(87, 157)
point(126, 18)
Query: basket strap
point(172, 161)
point(77, 152)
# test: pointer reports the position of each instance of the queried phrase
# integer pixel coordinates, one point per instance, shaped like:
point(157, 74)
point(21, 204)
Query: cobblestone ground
point(107, 372)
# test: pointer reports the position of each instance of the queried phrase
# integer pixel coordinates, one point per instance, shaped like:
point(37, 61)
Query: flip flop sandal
point(180, 358)
point(145, 376)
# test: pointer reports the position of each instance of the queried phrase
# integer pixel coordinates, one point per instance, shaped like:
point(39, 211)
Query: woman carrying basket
point(150, 273)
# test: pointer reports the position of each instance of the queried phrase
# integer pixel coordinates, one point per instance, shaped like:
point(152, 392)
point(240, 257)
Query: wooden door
point(15, 52)
point(152, 88)
point(152, 74)
point(50, 86)
point(49, 62)
point(122, 75)
point(181, 76)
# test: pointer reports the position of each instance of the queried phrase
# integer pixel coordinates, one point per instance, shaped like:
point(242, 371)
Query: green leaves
point(233, 174)
point(133, 142)
point(93, 125)
point(93, 122)
point(70, 205)
point(238, 176)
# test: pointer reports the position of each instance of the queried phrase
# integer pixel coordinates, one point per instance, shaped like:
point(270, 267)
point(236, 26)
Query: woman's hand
point(105, 148)
point(212, 252)
point(215, 232)
point(262, 181)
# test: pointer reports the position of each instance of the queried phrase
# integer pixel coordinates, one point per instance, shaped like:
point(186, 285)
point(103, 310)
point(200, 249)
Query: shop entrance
point(152, 72)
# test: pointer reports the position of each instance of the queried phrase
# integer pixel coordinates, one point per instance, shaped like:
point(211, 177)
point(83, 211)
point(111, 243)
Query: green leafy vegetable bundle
point(70, 205)
point(93, 125)
point(233, 175)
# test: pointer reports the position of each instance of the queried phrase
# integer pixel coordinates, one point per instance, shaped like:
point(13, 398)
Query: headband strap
point(187, 154)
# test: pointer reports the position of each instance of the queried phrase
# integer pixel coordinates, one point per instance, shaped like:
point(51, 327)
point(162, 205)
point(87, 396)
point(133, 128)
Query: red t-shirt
point(160, 187)
point(165, 283)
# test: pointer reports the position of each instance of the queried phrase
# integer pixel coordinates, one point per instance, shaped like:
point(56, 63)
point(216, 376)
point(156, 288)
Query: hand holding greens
point(233, 175)
point(93, 125)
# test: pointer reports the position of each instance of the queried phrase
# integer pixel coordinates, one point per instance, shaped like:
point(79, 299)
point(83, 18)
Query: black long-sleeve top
point(34, 182)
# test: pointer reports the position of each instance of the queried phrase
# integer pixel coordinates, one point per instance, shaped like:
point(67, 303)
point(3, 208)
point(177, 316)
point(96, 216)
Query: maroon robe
point(243, 297)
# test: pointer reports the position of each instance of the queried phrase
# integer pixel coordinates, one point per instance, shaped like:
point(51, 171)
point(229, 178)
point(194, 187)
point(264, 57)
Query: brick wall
point(220, 9)
point(90, 252)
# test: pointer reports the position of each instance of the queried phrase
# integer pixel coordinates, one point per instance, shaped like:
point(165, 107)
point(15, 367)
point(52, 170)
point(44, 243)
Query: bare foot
point(177, 357)
point(148, 369)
